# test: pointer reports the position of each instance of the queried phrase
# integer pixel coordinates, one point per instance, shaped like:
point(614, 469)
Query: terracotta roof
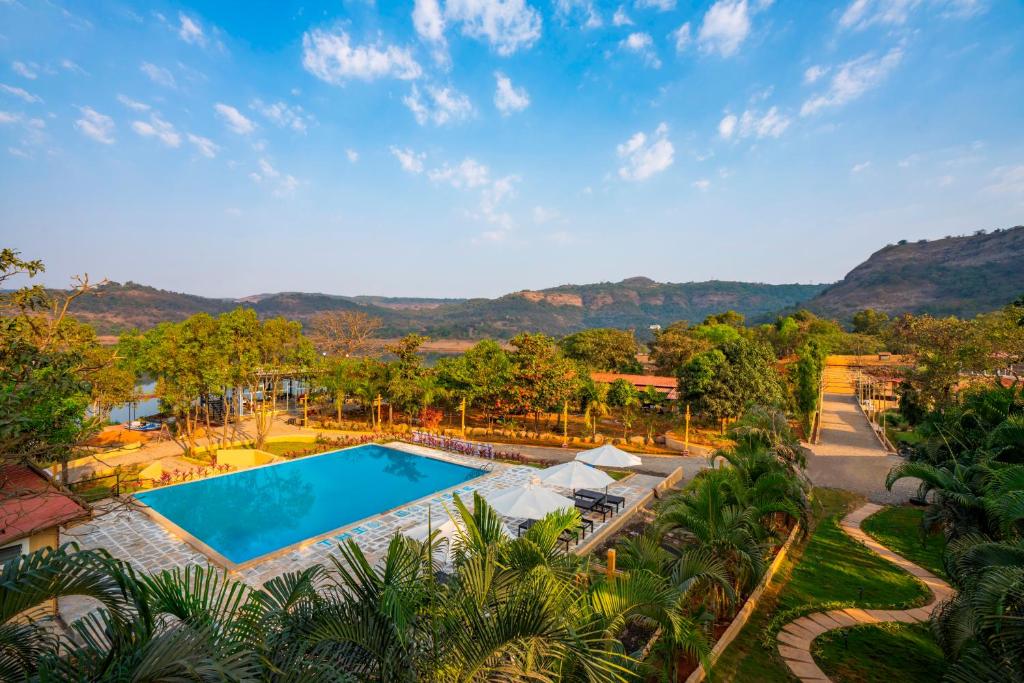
point(30, 502)
point(665, 385)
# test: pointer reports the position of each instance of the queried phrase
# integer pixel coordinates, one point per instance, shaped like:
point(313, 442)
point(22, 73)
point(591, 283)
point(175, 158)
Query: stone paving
point(796, 637)
point(128, 533)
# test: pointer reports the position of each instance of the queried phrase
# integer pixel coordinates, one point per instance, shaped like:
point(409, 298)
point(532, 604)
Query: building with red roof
point(32, 509)
point(665, 385)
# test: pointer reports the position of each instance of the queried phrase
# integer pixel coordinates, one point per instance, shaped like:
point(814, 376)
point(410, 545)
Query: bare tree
point(343, 333)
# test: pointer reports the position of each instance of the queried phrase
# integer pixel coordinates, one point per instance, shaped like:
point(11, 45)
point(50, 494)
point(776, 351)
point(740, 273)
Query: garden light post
point(565, 423)
point(686, 431)
point(463, 417)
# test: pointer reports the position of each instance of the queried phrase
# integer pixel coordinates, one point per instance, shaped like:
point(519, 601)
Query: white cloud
point(190, 30)
point(703, 184)
point(205, 146)
point(158, 75)
point(132, 104)
point(863, 166)
point(682, 37)
point(468, 174)
point(158, 128)
point(508, 98)
point(410, 161)
point(282, 114)
point(726, 25)
point(69, 65)
point(440, 106)
point(591, 17)
point(753, 124)
point(620, 18)
point(234, 119)
point(727, 126)
point(852, 80)
point(643, 45)
point(20, 93)
point(771, 124)
point(1007, 180)
point(642, 158)
point(353, 156)
point(660, 5)
point(24, 70)
point(9, 117)
point(507, 25)
point(860, 14)
point(542, 215)
point(283, 184)
point(561, 237)
point(331, 57)
point(945, 181)
point(95, 125)
point(428, 20)
point(814, 73)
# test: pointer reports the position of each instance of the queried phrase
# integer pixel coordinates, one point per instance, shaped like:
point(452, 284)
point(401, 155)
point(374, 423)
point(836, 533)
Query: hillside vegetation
point(636, 303)
point(960, 276)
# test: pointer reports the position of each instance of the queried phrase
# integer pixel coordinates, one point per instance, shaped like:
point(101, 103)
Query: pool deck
point(128, 533)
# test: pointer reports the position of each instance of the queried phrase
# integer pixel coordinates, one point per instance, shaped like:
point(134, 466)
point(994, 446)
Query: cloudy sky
point(476, 147)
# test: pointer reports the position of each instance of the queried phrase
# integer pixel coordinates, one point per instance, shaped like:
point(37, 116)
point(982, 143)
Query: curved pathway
point(796, 636)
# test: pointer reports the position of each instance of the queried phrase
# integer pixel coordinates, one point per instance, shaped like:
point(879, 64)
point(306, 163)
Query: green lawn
point(899, 529)
point(829, 567)
point(883, 653)
point(282, 447)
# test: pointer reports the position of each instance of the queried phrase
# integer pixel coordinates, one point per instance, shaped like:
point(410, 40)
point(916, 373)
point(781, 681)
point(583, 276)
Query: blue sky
point(477, 147)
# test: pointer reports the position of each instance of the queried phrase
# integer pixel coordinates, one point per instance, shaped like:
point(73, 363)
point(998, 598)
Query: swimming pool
point(245, 515)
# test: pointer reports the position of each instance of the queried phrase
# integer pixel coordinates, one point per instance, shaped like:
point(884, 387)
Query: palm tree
point(711, 520)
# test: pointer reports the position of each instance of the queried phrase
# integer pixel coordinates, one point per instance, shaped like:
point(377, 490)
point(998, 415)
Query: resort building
point(32, 510)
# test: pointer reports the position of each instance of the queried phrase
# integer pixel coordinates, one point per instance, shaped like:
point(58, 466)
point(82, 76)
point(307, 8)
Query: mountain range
point(952, 276)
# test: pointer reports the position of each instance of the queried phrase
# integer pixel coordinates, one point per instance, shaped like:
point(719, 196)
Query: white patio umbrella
point(574, 475)
point(608, 456)
point(528, 501)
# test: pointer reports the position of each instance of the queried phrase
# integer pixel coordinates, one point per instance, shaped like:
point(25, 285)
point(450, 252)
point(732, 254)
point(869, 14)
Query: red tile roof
point(665, 385)
point(30, 502)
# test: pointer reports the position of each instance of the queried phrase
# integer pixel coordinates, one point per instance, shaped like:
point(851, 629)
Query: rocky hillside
point(960, 276)
point(636, 303)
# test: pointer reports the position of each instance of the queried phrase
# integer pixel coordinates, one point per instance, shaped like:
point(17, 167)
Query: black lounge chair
point(584, 504)
point(566, 536)
point(605, 498)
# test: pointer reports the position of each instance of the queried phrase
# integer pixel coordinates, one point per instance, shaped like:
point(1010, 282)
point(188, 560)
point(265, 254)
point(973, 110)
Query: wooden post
point(565, 423)
point(686, 431)
point(463, 417)
point(379, 401)
point(305, 410)
point(611, 563)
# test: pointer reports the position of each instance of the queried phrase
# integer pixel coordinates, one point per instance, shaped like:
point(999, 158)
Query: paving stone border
point(796, 637)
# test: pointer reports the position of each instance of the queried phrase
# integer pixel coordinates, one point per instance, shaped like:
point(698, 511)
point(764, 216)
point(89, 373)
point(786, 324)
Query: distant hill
point(960, 276)
point(636, 302)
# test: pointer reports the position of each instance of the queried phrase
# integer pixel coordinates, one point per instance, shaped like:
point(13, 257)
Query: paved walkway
point(844, 429)
point(796, 637)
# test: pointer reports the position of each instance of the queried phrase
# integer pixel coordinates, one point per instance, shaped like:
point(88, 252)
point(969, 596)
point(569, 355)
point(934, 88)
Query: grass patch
point(828, 567)
point(880, 653)
point(899, 529)
point(282, 447)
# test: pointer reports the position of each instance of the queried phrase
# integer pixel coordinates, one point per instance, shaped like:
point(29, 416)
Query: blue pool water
point(254, 512)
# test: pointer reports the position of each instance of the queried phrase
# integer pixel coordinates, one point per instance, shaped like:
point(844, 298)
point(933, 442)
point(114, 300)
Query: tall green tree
point(541, 377)
point(722, 382)
point(605, 349)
